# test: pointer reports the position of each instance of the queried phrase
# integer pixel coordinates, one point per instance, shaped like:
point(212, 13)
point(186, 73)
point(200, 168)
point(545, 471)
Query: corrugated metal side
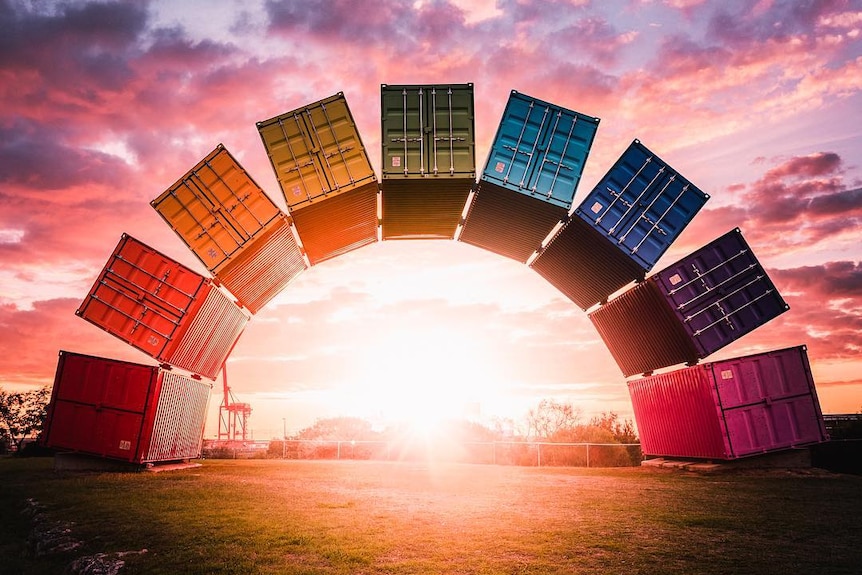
point(769, 401)
point(216, 208)
point(642, 205)
point(720, 292)
point(676, 415)
point(584, 265)
point(98, 406)
point(316, 151)
point(265, 267)
point(427, 131)
point(338, 224)
point(208, 335)
point(540, 149)
point(642, 332)
point(507, 222)
point(423, 209)
point(178, 425)
point(142, 297)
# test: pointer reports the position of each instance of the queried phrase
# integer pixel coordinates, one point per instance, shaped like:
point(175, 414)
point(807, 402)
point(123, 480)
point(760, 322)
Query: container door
point(316, 151)
point(540, 149)
point(642, 205)
point(720, 292)
point(216, 208)
point(176, 430)
point(141, 296)
point(428, 131)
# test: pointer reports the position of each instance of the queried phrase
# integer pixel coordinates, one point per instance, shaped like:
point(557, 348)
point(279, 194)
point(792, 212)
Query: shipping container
point(720, 292)
point(428, 153)
point(729, 409)
point(508, 223)
point(316, 152)
point(586, 267)
point(641, 205)
point(339, 224)
point(540, 150)
point(691, 309)
point(233, 228)
point(164, 309)
point(125, 411)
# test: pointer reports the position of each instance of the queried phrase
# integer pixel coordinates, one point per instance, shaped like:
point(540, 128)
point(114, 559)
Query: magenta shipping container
point(125, 411)
point(729, 409)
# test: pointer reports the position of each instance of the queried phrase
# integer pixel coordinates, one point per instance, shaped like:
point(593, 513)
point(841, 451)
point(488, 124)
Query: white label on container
point(396, 161)
point(296, 190)
point(597, 207)
point(125, 445)
point(726, 374)
point(675, 279)
point(499, 167)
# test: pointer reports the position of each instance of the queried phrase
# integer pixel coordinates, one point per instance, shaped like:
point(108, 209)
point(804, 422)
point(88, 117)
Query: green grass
point(270, 516)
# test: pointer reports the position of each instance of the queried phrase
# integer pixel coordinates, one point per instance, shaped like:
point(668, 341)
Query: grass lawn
point(274, 516)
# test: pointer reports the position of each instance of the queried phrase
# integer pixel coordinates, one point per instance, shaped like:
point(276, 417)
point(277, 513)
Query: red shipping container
point(163, 308)
point(125, 411)
point(729, 409)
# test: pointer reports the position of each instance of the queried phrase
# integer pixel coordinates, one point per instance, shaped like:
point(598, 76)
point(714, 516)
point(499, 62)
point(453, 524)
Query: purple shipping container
point(125, 411)
point(691, 309)
point(729, 409)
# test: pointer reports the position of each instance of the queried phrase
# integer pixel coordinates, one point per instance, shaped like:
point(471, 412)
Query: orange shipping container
point(163, 308)
point(233, 228)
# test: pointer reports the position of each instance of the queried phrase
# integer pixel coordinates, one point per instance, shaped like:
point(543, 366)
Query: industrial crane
point(233, 416)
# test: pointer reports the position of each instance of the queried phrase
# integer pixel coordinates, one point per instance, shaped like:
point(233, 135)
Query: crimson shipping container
point(530, 177)
point(163, 308)
point(233, 228)
point(325, 175)
point(428, 153)
point(729, 409)
point(638, 209)
point(691, 309)
point(126, 411)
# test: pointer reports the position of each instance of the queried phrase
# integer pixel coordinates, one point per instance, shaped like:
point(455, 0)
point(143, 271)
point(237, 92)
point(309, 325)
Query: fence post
point(588, 454)
point(538, 455)
point(339, 450)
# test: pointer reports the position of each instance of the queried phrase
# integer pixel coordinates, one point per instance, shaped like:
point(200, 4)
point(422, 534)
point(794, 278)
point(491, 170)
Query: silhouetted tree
point(550, 418)
point(22, 414)
point(622, 431)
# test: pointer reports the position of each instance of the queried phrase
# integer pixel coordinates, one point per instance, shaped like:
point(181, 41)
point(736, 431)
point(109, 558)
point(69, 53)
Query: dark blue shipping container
point(720, 292)
point(540, 149)
point(691, 309)
point(641, 205)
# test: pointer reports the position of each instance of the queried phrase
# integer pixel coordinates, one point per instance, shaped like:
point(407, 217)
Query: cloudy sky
point(103, 105)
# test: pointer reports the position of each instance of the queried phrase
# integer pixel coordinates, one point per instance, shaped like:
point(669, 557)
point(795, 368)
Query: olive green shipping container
point(428, 154)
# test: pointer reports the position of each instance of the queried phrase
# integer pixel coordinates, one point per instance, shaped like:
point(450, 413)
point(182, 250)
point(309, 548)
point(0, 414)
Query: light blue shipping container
point(642, 205)
point(540, 149)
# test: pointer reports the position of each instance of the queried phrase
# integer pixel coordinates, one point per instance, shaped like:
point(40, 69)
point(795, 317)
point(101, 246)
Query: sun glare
point(422, 378)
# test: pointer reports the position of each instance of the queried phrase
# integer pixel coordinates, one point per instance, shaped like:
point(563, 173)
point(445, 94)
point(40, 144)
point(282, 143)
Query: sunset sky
point(106, 104)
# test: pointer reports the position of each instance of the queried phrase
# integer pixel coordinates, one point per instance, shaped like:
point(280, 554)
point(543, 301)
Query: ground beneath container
point(83, 462)
point(789, 459)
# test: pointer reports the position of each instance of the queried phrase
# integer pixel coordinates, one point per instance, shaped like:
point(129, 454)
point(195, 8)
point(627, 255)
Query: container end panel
point(339, 224)
point(179, 420)
point(423, 209)
point(208, 336)
point(266, 266)
point(508, 223)
point(584, 265)
point(642, 332)
point(676, 415)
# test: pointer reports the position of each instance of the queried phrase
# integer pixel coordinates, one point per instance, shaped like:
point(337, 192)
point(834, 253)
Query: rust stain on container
point(125, 411)
point(164, 309)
